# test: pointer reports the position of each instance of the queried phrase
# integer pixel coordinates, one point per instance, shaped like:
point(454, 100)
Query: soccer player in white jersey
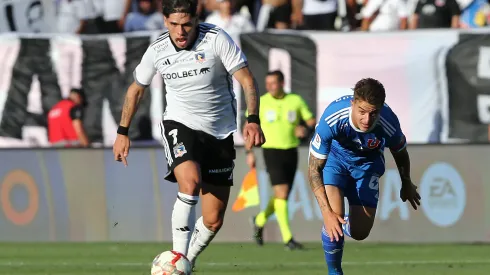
point(197, 62)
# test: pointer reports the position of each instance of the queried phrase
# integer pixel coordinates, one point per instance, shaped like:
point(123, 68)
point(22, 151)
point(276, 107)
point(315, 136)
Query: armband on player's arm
point(400, 146)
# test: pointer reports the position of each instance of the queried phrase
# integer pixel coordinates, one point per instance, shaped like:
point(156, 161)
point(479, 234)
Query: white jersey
point(198, 79)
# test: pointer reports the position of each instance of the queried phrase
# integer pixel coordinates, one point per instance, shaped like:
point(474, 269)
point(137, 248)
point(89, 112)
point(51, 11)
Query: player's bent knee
point(361, 221)
point(213, 223)
point(359, 235)
point(189, 187)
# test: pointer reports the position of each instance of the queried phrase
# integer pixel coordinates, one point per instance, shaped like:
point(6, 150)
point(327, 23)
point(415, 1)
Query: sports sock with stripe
point(333, 253)
point(183, 217)
point(200, 239)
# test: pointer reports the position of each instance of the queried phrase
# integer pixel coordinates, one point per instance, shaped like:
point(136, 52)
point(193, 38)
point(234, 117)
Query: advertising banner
point(84, 195)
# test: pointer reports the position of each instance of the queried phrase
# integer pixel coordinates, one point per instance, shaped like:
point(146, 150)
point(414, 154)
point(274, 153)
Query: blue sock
point(333, 253)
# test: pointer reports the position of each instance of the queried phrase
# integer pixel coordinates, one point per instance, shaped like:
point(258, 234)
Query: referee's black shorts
point(281, 165)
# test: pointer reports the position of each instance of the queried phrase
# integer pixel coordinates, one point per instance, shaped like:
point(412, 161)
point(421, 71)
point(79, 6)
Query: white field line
point(251, 264)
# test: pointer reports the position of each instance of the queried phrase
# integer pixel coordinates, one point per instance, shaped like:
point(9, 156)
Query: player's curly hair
point(371, 91)
point(179, 6)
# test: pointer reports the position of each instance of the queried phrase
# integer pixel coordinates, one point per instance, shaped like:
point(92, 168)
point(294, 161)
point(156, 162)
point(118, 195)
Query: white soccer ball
point(171, 263)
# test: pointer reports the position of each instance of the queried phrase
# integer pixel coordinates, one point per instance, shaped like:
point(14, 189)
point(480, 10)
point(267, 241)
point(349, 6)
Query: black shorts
point(320, 22)
point(280, 14)
point(281, 165)
point(215, 156)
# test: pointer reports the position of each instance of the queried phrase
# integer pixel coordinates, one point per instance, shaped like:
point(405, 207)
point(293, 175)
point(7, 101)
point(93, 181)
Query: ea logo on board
point(443, 194)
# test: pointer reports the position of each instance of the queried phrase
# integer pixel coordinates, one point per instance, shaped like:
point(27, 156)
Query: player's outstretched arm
point(315, 178)
point(408, 190)
point(250, 89)
point(332, 221)
point(252, 133)
point(121, 144)
point(133, 97)
point(402, 160)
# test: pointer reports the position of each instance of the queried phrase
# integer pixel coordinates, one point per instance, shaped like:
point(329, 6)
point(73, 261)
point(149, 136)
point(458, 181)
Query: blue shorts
point(360, 187)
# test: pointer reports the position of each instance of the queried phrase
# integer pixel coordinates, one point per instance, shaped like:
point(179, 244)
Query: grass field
point(272, 259)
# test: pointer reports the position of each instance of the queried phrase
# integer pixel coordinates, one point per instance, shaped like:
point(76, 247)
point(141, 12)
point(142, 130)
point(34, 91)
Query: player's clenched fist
point(121, 149)
point(253, 135)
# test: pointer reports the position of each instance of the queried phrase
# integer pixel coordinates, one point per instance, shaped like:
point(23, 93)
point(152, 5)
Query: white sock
point(263, 18)
point(183, 221)
point(201, 237)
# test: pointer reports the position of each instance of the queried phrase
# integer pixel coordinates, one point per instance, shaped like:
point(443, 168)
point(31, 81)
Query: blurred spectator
point(65, 127)
point(274, 14)
point(384, 15)
point(145, 18)
point(474, 13)
point(72, 16)
point(253, 7)
point(132, 6)
point(314, 14)
point(209, 6)
point(436, 14)
point(353, 18)
point(232, 23)
point(111, 14)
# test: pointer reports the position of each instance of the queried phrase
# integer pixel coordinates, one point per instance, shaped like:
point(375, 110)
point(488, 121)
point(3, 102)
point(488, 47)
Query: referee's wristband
point(253, 119)
point(123, 130)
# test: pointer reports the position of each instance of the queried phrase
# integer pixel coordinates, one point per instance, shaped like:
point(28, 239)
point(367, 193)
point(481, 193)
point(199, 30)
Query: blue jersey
point(337, 137)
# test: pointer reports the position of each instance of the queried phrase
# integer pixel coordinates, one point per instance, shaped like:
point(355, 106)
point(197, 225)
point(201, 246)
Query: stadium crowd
point(237, 16)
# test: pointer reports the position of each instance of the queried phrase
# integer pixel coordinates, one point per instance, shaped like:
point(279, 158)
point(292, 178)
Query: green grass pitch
point(272, 259)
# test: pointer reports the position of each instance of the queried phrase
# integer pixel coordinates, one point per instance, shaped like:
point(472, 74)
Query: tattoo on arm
point(315, 178)
point(131, 102)
point(251, 92)
point(315, 174)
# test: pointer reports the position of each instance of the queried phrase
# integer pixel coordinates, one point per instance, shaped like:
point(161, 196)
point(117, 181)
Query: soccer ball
point(171, 263)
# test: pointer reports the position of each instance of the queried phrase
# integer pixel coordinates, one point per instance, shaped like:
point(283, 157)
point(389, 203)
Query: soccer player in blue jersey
point(346, 160)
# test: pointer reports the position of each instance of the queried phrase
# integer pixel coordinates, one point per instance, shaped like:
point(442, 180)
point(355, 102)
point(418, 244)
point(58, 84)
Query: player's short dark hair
point(179, 6)
point(278, 74)
point(371, 91)
point(81, 93)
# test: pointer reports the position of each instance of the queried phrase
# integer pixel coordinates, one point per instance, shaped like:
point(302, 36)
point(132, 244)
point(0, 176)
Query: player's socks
point(201, 237)
point(346, 226)
point(281, 211)
point(333, 253)
point(262, 217)
point(182, 223)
